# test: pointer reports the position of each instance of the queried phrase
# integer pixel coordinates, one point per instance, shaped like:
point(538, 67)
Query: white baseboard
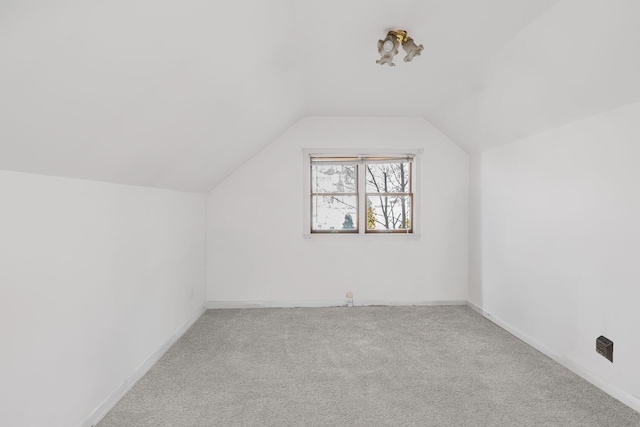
point(274, 304)
point(115, 396)
point(324, 303)
point(613, 391)
point(396, 303)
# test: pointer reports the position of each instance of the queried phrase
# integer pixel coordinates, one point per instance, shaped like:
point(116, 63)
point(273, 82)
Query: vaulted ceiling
point(177, 94)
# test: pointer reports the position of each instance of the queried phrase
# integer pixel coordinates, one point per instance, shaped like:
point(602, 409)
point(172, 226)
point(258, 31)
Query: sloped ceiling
point(177, 95)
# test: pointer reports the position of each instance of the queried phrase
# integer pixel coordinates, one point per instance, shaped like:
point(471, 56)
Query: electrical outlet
point(604, 347)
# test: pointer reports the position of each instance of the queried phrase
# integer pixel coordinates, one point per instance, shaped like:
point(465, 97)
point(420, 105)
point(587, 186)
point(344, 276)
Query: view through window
point(355, 194)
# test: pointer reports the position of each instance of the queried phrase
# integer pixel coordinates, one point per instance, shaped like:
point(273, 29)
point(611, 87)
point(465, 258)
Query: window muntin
point(374, 191)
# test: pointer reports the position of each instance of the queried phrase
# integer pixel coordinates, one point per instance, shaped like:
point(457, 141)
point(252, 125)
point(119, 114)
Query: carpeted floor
point(363, 366)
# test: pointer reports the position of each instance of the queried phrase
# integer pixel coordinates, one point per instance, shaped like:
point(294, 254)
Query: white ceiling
point(177, 94)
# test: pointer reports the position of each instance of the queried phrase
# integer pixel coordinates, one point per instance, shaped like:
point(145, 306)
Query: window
point(361, 194)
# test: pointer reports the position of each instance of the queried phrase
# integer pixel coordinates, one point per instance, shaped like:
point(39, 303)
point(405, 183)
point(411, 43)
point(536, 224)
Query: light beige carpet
point(363, 366)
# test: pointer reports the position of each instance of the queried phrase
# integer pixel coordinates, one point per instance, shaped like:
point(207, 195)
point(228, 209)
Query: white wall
point(560, 215)
point(475, 227)
point(94, 278)
point(255, 223)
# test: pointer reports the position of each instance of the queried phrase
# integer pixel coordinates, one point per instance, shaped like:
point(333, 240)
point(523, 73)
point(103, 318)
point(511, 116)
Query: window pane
point(388, 213)
point(334, 213)
point(333, 179)
point(388, 177)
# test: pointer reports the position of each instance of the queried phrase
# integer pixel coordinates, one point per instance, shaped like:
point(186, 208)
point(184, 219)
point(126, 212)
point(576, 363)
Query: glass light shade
point(387, 46)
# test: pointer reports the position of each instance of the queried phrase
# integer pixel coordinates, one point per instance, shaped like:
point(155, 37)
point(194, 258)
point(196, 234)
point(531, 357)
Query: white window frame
point(308, 153)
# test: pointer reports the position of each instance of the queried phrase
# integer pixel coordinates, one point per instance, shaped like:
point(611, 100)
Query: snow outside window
point(370, 194)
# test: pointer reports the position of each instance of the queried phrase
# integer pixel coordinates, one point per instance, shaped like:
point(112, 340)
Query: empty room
point(328, 213)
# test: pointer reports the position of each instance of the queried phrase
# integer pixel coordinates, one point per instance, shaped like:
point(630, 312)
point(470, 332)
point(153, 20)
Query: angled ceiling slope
point(178, 94)
point(577, 60)
point(155, 93)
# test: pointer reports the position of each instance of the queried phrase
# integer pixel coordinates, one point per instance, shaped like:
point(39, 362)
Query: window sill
point(359, 236)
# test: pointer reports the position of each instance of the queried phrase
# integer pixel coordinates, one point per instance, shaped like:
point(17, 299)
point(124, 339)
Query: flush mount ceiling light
point(388, 48)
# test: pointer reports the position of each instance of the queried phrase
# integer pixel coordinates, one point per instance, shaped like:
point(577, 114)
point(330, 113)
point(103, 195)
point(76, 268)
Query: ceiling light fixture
point(388, 48)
